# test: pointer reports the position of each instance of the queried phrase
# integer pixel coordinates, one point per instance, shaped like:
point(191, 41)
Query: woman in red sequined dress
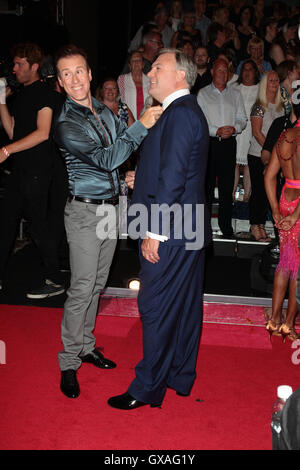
point(286, 214)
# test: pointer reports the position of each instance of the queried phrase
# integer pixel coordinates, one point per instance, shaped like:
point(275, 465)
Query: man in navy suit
point(171, 177)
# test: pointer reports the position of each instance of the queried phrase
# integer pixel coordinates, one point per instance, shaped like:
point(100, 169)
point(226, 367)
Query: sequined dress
point(289, 252)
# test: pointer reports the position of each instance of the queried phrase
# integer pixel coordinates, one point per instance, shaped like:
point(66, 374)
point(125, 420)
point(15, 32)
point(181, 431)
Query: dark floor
point(225, 275)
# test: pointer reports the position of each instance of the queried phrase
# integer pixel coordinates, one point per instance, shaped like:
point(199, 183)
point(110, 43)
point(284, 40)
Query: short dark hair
point(213, 30)
point(69, 51)
point(29, 51)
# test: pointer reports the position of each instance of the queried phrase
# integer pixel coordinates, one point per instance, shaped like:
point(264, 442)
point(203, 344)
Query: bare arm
point(256, 123)
point(271, 183)
point(41, 134)
point(7, 120)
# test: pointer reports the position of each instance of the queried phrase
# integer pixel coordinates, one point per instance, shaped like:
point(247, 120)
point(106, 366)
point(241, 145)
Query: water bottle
point(283, 393)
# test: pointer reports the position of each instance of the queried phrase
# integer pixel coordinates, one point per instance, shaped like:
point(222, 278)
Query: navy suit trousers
point(170, 304)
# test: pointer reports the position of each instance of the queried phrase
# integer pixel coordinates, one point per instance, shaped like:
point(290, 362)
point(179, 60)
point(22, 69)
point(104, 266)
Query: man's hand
point(225, 132)
point(150, 250)
point(151, 116)
point(129, 179)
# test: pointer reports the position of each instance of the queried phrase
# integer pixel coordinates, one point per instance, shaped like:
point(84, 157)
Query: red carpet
point(229, 408)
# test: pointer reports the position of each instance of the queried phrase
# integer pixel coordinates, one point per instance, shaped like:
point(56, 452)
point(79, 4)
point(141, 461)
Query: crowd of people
point(240, 64)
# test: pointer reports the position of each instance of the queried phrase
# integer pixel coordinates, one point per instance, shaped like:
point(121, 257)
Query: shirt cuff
point(155, 236)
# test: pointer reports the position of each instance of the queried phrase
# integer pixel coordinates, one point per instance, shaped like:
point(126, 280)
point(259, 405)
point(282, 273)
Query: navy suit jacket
point(172, 170)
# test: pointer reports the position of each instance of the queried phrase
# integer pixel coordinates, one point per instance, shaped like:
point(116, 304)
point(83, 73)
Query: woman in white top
point(247, 84)
point(267, 108)
point(134, 86)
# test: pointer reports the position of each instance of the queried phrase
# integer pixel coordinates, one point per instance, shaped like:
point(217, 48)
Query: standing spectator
point(247, 84)
point(259, 12)
point(134, 86)
point(202, 21)
point(151, 42)
point(269, 32)
point(175, 17)
point(187, 32)
point(288, 73)
point(245, 29)
point(29, 125)
point(284, 45)
point(267, 107)
point(216, 37)
point(225, 113)
point(204, 77)
point(161, 16)
point(255, 49)
point(108, 93)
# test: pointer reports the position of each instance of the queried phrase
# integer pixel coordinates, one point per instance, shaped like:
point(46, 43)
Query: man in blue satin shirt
point(94, 143)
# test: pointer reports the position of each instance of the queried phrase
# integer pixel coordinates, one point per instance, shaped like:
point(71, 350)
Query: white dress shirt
point(224, 108)
point(167, 101)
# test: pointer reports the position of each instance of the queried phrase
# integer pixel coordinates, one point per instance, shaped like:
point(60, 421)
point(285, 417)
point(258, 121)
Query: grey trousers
point(91, 256)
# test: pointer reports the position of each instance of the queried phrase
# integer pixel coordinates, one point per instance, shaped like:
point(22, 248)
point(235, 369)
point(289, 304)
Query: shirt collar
point(173, 96)
point(217, 89)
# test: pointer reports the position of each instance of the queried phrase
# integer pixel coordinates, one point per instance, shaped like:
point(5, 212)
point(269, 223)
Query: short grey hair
point(183, 62)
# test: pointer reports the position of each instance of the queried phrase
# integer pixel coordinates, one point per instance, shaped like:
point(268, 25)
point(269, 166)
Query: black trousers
point(26, 192)
point(221, 165)
point(258, 203)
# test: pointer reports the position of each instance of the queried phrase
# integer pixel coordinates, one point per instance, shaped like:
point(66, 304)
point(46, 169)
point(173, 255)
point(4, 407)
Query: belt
point(114, 201)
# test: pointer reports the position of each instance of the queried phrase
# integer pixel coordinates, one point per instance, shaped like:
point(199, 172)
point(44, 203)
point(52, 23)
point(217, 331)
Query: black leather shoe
point(183, 394)
point(69, 384)
point(127, 402)
point(95, 357)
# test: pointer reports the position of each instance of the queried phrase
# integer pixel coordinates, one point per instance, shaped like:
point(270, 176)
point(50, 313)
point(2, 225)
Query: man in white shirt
point(226, 116)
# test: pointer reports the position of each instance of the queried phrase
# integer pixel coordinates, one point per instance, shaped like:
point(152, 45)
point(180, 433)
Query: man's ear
point(90, 75)
point(35, 67)
point(181, 75)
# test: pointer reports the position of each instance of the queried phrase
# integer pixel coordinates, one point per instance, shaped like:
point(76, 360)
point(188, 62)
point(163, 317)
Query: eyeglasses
point(157, 42)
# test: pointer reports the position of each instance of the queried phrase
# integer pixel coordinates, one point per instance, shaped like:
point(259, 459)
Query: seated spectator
point(255, 49)
point(204, 77)
point(221, 16)
point(108, 93)
point(284, 44)
point(267, 107)
point(288, 73)
point(202, 21)
point(187, 31)
point(134, 86)
point(247, 84)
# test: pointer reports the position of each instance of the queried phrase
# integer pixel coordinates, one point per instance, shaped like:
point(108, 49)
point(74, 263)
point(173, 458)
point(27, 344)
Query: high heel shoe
point(273, 328)
point(287, 331)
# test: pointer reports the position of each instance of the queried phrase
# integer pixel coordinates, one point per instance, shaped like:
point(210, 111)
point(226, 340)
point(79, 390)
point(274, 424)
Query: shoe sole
point(44, 296)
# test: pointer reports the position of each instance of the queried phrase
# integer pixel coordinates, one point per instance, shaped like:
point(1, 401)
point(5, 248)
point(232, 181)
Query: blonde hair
point(255, 41)
point(262, 93)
